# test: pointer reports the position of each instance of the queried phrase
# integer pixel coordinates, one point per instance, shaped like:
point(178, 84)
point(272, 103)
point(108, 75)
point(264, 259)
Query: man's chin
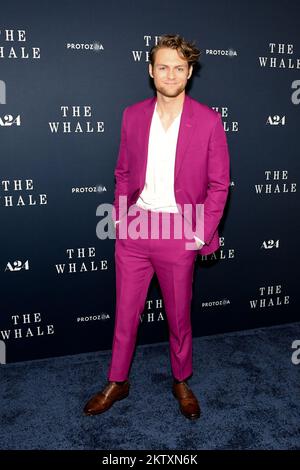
point(170, 93)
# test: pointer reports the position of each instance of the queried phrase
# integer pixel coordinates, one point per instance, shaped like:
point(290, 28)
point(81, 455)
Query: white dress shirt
point(158, 191)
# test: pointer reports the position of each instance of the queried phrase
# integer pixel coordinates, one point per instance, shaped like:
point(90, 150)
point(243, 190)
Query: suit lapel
point(145, 124)
point(186, 131)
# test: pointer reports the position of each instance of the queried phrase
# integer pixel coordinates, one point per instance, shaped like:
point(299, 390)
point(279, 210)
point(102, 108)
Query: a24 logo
point(17, 266)
point(8, 120)
point(270, 244)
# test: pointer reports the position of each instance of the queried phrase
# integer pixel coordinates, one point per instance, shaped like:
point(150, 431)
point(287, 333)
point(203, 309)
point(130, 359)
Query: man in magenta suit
point(173, 156)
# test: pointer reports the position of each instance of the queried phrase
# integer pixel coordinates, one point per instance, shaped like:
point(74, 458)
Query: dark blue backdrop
point(57, 277)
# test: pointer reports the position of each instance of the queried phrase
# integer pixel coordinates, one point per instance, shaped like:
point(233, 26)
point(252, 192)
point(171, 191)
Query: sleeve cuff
point(198, 239)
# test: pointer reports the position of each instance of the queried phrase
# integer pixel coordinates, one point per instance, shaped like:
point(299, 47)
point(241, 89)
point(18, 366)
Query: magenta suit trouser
point(136, 261)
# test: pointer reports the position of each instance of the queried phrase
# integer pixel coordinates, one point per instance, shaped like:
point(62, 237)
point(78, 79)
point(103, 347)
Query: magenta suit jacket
point(201, 167)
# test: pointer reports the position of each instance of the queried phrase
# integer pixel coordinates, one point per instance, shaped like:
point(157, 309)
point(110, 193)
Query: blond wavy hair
point(186, 50)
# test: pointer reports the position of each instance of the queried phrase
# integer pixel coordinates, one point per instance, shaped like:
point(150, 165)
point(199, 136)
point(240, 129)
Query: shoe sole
point(190, 417)
point(106, 409)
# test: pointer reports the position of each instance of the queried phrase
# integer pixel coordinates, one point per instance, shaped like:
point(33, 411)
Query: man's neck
point(169, 107)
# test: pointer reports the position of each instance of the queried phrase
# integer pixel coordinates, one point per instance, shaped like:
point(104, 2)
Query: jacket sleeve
point(218, 180)
point(121, 174)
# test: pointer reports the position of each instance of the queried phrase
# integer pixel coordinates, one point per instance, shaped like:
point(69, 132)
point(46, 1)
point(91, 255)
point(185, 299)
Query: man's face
point(170, 72)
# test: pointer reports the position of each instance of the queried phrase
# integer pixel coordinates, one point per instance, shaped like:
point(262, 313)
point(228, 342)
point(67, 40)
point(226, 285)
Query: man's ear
point(150, 70)
point(190, 71)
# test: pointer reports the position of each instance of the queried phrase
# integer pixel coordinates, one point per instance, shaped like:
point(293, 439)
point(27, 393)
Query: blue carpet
point(246, 383)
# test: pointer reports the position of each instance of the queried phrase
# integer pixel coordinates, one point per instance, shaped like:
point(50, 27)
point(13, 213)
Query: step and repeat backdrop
point(67, 71)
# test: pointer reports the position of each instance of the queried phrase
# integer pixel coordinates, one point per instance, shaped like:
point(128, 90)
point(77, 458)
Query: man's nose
point(171, 74)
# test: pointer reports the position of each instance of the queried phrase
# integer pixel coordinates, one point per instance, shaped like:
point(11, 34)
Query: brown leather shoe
point(188, 403)
point(103, 400)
